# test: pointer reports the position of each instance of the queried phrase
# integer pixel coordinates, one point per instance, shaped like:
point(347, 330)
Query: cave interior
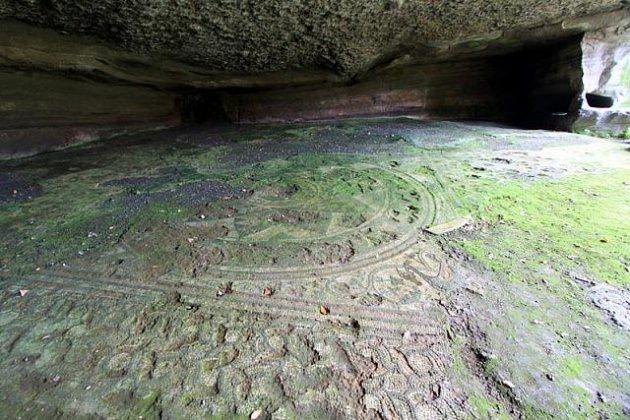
point(277, 209)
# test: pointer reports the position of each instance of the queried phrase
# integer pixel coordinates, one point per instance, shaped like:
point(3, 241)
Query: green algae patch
point(192, 263)
point(570, 223)
point(572, 367)
point(485, 407)
point(537, 235)
point(481, 404)
point(50, 228)
point(147, 407)
point(605, 134)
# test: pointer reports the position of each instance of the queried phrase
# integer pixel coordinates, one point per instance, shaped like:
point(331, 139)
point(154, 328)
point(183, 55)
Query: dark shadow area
point(599, 101)
point(202, 107)
point(542, 86)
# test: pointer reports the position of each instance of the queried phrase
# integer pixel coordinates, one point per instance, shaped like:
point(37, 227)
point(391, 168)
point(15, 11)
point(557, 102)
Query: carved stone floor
point(289, 271)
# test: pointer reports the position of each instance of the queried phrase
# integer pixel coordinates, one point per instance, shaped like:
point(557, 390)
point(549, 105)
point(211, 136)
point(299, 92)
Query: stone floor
point(361, 268)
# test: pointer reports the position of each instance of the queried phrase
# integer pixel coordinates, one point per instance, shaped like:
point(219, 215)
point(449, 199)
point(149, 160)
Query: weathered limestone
point(345, 36)
point(458, 90)
point(606, 56)
point(47, 50)
point(48, 47)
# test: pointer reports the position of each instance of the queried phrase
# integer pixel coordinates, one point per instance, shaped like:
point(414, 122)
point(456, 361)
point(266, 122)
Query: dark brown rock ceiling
point(339, 37)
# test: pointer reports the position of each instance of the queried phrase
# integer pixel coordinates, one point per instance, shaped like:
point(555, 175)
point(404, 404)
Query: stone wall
point(59, 86)
point(606, 55)
point(535, 87)
point(455, 90)
point(41, 112)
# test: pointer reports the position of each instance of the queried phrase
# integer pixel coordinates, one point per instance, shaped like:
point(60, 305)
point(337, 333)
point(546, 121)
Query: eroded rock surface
point(292, 270)
point(247, 36)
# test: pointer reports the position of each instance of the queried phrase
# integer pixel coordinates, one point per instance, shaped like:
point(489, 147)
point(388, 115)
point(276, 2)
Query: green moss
point(187, 398)
point(482, 405)
point(52, 227)
point(490, 366)
point(529, 232)
point(459, 367)
point(605, 134)
point(206, 160)
point(625, 74)
point(147, 407)
point(526, 232)
point(487, 408)
point(572, 367)
point(302, 132)
point(567, 224)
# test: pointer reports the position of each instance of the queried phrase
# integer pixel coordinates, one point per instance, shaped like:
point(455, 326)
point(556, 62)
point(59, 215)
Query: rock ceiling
point(249, 43)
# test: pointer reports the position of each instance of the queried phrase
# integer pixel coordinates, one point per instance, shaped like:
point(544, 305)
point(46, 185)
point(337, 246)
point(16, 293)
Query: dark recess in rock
point(202, 107)
point(599, 101)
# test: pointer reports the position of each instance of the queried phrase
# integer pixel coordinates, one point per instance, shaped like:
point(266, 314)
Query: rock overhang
point(76, 71)
point(319, 39)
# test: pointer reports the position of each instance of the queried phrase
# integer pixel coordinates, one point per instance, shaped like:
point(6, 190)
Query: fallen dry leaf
point(324, 310)
point(267, 292)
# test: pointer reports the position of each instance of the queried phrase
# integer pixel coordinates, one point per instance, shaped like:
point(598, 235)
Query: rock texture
point(457, 90)
point(603, 122)
point(606, 63)
point(121, 66)
point(24, 46)
point(535, 87)
point(606, 66)
point(42, 111)
point(247, 36)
